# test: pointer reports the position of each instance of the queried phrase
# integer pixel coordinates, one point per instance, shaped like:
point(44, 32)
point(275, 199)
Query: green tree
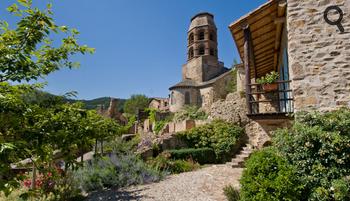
point(136, 103)
point(37, 129)
point(27, 51)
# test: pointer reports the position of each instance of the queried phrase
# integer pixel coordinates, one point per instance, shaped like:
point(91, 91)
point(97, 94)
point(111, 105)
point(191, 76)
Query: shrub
point(159, 125)
point(231, 193)
point(200, 155)
point(163, 163)
point(190, 113)
point(116, 171)
point(268, 176)
point(224, 138)
point(319, 156)
point(319, 147)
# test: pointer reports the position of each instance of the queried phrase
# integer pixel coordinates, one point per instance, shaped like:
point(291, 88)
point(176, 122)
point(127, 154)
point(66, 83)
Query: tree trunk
point(95, 146)
point(33, 177)
point(101, 147)
point(81, 155)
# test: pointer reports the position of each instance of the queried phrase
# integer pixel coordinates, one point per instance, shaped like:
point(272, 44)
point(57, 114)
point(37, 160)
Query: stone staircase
point(241, 157)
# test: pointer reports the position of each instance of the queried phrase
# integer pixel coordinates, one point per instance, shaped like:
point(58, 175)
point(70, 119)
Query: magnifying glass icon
point(336, 22)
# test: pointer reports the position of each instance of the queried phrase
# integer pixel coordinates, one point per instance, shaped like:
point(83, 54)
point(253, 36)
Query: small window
point(201, 50)
point(212, 37)
point(191, 39)
point(187, 98)
point(190, 53)
point(201, 35)
point(212, 52)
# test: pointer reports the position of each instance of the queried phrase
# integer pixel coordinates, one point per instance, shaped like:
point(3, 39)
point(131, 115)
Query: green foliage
point(219, 135)
point(319, 147)
point(163, 163)
point(200, 155)
point(152, 114)
point(190, 113)
point(268, 78)
point(118, 171)
point(159, 125)
point(232, 85)
point(27, 51)
point(341, 188)
point(231, 193)
point(120, 146)
point(136, 103)
point(268, 176)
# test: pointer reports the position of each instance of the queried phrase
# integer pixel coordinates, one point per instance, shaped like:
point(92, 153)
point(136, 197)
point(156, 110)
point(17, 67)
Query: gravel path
point(205, 184)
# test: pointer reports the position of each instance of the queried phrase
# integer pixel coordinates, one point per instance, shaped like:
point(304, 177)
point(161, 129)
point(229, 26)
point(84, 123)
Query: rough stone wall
point(202, 69)
point(233, 109)
point(319, 55)
point(193, 70)
point(207, 95)
point(220, 86)
point(259, 133)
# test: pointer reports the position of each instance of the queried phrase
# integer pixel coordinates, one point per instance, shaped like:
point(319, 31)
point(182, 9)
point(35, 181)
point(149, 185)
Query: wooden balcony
point(277, 104)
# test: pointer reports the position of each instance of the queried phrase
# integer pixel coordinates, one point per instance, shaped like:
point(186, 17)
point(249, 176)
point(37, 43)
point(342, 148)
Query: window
point(187, 98)
point(201, 35)
point(191, 39)
point(212, 37)
point(212, 52)
point(190, 53)
point(201, 50)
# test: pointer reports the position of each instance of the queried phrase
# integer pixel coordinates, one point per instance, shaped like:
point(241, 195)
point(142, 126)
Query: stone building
point(308, 43)
point(161, 104)
point(112, 112)
point(204, 77)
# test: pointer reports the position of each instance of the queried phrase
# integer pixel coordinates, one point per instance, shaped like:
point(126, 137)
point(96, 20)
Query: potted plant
point(268, 81)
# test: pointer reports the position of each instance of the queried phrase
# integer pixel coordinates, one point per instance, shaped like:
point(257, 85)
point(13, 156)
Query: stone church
point(204, 77)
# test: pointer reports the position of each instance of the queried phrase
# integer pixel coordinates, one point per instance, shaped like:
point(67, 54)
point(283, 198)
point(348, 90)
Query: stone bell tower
point(202, 50)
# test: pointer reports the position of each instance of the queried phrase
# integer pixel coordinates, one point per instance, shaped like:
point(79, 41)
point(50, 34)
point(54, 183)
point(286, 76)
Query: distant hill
point(94, 103)
point(39, 96)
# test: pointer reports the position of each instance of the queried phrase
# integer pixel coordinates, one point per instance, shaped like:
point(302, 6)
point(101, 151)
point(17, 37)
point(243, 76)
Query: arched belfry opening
point(191, 38)
point(190, 53)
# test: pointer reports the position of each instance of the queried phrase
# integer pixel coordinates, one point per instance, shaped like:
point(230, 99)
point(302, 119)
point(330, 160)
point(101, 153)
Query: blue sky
point(140, 44)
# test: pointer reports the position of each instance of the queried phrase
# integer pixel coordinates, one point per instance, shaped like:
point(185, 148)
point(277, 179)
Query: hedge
point(200, 155)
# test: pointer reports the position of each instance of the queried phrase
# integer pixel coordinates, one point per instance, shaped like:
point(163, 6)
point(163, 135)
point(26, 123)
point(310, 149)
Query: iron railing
point(264, 102)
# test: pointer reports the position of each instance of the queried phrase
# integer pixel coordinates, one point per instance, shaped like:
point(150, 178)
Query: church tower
point(202, 50)
point(204, 77)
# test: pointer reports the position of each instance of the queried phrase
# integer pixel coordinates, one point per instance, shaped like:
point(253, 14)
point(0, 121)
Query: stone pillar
point(240, 78)
point(319, 54)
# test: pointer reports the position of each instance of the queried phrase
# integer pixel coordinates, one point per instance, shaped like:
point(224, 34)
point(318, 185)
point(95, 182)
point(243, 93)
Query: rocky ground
point(205, 184)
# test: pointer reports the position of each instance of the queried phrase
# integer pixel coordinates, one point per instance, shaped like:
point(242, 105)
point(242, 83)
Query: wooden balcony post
point(247, 59)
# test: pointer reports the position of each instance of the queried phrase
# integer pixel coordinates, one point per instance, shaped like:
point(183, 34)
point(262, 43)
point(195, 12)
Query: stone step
point(246, 148)
point(238, 164)
point(246, 152)
point(241, 157)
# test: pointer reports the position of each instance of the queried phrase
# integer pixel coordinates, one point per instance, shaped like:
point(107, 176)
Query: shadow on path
point(116, 195)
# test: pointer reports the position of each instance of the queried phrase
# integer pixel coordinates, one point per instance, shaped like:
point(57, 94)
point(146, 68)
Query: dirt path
point(205, 184)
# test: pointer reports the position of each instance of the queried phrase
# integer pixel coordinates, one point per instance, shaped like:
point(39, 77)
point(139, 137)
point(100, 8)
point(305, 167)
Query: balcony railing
point(275, 102)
